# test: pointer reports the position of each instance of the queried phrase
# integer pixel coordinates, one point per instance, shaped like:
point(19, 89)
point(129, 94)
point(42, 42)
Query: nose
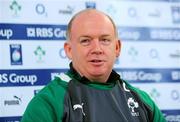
point(96, 47)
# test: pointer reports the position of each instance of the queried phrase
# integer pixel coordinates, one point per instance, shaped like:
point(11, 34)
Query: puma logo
point(76, 106)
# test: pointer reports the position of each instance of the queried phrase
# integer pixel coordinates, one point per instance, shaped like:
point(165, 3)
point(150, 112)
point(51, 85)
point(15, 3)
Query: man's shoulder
point(136, 89)
point(49, 98)
point(57, 86)
point(143, 95)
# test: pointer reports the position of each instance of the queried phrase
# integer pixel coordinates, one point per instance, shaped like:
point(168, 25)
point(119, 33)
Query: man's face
point(93, 46)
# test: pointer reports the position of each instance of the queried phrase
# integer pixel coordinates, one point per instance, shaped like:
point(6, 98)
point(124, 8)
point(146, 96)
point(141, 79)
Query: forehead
point(92, 20)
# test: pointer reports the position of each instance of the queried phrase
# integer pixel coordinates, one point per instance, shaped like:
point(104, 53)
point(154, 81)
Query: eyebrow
point(104, 35)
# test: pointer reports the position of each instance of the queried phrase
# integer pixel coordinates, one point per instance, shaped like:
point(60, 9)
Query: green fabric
point(47, 105)
point(157, 114)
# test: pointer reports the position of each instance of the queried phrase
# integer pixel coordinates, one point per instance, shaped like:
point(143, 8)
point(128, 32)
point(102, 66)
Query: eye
point(105, 41)
point(85, 42)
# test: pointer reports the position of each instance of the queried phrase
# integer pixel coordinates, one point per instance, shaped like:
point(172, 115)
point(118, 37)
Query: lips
point(96, 61)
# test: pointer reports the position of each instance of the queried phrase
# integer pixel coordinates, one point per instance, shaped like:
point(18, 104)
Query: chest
point(87, 104)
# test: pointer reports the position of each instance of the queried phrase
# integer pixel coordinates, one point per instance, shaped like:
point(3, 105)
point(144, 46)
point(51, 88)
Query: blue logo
point(62, 54)
point(16, 54)
point(175, 14)
point(132, 12)
point(90, 5)
point(175, 95)
point(41, 9)
point(154, 54)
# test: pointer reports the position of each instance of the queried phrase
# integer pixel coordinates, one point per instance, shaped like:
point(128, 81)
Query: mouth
point(97, 62)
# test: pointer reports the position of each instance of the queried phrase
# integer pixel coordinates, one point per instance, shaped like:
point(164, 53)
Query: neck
point(101, 79)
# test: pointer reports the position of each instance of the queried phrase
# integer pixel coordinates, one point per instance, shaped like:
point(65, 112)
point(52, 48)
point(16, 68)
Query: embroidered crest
point(133, 105)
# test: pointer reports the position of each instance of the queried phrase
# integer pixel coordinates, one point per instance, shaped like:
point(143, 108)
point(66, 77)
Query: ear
point(118, 48)
point(68, 49)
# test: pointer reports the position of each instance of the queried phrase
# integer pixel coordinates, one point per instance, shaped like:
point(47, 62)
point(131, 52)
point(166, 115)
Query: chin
point(98, 72)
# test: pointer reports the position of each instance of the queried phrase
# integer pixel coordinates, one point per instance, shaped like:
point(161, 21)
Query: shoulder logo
point(125, 89)
point(79, 106)
point(64, 77)
point(133, 105)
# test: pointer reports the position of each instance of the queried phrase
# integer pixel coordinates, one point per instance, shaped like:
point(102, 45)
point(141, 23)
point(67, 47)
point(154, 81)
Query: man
point(91, 91)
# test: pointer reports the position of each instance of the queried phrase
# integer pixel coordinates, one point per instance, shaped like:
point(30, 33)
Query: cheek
point(78, 53)
point(112, 50)
point(112, 54)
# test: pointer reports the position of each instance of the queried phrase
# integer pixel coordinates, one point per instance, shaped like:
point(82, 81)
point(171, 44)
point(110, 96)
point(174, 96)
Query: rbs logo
point(46, 32)
point(20, 79)
point(3, 78)
point(6, 33)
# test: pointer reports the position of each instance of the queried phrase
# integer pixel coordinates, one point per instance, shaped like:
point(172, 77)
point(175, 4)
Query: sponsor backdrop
point(32, 33)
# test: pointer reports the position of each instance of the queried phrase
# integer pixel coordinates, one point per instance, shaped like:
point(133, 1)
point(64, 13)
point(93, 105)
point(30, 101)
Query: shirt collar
point(113, 78)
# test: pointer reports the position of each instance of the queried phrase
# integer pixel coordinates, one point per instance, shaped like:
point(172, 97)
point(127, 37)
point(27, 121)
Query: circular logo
point(175, 95)
point(132, 12)
point(62, 53)
point(40, 9)
point(16, 55)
